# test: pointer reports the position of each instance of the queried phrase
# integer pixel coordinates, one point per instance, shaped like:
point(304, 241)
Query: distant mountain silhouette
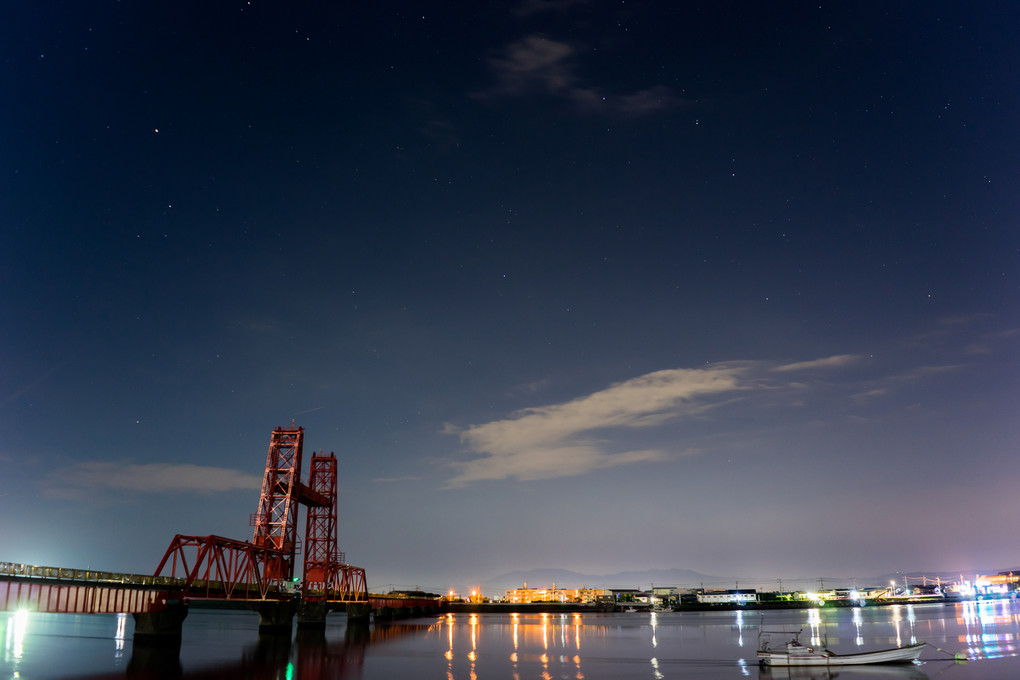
point(564, 578)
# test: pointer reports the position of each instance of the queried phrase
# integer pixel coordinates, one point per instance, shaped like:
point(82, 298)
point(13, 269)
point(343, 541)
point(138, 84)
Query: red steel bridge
point(214, 567)
point(257, 573)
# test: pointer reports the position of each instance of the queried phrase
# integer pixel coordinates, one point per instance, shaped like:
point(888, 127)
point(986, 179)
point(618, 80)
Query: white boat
point(793, 653)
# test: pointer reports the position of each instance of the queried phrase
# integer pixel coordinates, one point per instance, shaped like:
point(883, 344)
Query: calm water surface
point(219, 644)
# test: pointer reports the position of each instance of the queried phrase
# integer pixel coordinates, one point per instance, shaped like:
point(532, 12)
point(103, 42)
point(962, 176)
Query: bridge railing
point(88, 575)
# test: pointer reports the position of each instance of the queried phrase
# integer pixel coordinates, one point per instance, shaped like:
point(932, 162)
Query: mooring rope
point(957, 656)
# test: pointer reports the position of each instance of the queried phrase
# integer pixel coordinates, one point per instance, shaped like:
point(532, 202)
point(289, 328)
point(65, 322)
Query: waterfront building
point(630, 595)
point(583, 594)
point(1004, 584)
point(732, 596)
point(665, 596)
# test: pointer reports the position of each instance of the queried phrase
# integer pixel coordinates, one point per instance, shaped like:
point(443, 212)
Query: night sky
point(588, 285)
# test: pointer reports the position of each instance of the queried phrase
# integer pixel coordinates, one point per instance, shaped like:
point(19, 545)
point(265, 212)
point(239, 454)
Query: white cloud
point(538, 64)
point(826, 362)
point(876, 392)
point(578, 436)
point(93, 478)
point(535, 62)
point(557, 441)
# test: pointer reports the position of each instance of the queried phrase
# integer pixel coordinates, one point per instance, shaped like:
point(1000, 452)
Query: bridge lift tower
point(276, 520)
point(326, 572)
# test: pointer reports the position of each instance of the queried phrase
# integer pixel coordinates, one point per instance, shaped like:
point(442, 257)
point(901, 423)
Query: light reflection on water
point(576, 646)
point(980, 620)
point(14, 644)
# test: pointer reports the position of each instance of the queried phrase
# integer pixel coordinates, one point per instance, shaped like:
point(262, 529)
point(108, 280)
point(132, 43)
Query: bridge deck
point(86, 591)
point(81, 591)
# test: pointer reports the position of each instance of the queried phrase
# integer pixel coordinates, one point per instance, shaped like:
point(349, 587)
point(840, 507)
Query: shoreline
point(572, 607)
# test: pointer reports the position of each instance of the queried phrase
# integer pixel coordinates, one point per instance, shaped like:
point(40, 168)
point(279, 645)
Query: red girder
point(218, 568)
point(350, 584)
point(311, 498)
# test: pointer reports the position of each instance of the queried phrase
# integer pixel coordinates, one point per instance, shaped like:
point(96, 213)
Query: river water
point(622, 646)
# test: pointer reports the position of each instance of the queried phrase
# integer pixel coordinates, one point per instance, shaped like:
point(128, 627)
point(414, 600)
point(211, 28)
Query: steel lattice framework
point(321, 552)
point(218, 568)
point(326, 573)
point(349, 584)
point(276, 520)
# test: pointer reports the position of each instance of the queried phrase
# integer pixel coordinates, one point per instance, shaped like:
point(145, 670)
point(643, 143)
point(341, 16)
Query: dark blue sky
point(591, 285)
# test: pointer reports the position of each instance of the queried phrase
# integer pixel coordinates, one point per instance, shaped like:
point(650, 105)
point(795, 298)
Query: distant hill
point(564, 578)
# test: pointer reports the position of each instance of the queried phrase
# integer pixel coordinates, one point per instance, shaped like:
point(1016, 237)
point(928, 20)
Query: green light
point(290, 671)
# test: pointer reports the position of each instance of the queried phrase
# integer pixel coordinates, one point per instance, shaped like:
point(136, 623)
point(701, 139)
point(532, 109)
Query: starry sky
point(729, 286)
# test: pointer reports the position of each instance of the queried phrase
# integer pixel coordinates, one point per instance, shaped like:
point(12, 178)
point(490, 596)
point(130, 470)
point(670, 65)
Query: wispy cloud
point(558, 440)
point(869, 394)
point(601, 430)
point(535, 63)
point(951, 330)
point(837, 361)
point(922, 372)
point(24, 389)
point(1007, 334)
point(539, 64)
point(533, 387)
point(95, 478)
point(889, 385)
point(965, 319)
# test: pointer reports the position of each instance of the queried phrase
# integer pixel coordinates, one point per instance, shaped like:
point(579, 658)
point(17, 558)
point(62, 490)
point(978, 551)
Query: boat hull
point(823, 658)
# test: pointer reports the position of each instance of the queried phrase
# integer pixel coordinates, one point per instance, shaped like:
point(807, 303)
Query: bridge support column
point(274, 617)
point(163, 627)
point(312, 616)
point(358, 612)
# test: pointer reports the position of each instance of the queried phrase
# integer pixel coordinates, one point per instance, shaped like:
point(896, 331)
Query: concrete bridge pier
point(275, 617)
point(358, 612)
point(312, 616)
point(162, 627)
